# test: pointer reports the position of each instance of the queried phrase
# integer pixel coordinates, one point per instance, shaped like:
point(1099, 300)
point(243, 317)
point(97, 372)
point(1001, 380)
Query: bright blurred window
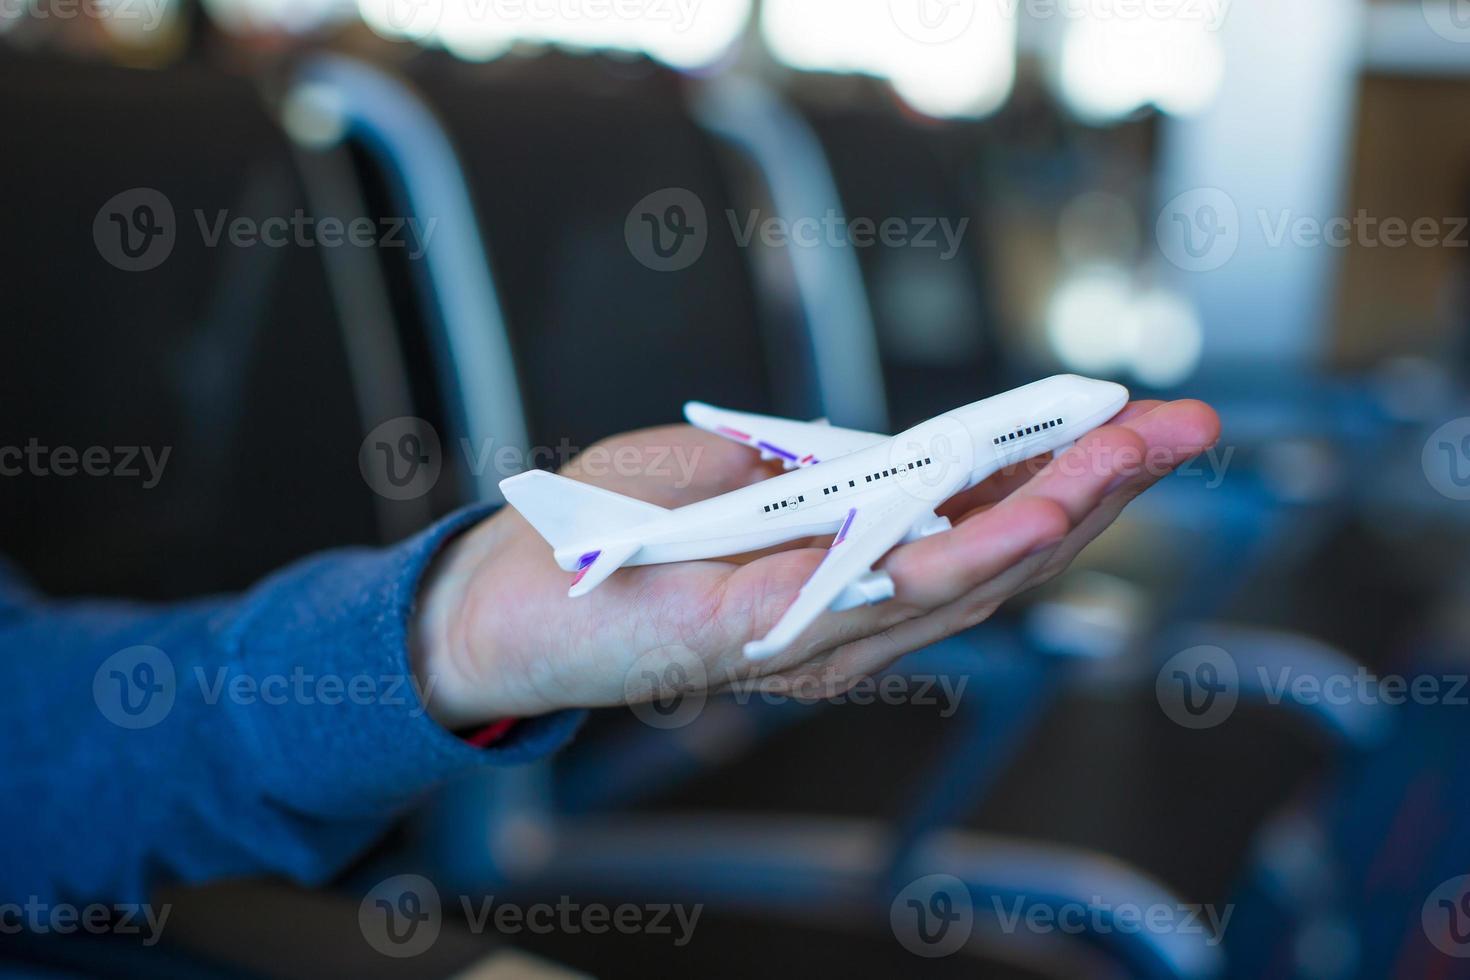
point(1112, 66)
point(681, 33)
point(944, 57)
point(249, 17)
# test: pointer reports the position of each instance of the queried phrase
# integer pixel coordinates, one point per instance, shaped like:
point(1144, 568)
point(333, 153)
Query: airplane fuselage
point(817, 499)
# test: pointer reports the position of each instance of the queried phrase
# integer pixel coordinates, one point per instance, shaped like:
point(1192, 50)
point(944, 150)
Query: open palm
point(500, 638)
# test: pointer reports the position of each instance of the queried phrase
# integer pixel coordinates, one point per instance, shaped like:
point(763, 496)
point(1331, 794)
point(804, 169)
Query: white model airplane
point(871, 491)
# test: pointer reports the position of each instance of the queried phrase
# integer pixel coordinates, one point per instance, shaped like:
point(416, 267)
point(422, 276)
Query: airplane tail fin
point(588, 528)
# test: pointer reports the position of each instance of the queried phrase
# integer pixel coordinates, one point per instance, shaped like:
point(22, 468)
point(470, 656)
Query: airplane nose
point(1112, 394)
point(1104, 398)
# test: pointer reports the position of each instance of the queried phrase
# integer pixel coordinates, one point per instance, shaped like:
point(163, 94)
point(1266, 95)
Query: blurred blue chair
point(1341, 882)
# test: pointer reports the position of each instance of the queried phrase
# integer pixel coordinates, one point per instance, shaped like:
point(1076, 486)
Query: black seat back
point(936, 328)
point(229, 359)
point(556, 153)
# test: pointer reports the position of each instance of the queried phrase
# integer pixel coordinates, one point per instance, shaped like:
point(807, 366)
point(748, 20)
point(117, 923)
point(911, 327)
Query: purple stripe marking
point(775, 449)
point(584, 563)
point(842, 534)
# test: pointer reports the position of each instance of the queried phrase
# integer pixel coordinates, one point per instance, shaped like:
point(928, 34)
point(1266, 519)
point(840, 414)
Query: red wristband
point(491, 733)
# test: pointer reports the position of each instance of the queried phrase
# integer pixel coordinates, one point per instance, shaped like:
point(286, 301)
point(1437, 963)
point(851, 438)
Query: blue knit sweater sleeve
point(278, 731)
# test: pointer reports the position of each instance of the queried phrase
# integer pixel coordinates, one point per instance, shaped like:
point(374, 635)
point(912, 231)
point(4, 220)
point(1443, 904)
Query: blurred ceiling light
point(471, 37)
point(137, 23)
point(1088, 321)
point(944, 57)
point(313, 115)
point(1111, 67)
point(276, 16)
point(681, 33)
point(1168, 338)
point(1099, 323)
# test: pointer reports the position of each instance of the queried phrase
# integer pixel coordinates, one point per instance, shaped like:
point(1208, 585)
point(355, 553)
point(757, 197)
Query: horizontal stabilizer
point(571, 515)
point(593, 567)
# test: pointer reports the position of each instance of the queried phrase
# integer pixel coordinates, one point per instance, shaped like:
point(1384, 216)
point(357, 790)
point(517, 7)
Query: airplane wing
point(794, 443)
point(871, 529)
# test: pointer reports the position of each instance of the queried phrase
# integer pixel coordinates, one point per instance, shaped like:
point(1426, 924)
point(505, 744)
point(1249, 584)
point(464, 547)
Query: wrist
point(438, 644)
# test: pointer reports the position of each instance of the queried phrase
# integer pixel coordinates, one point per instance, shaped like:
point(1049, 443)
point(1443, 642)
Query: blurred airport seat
point(827, 280)
point(234, 357)
point(531, 227)
point(553, 239)
point(819, 873)
point(932, 312)
point(552, 164)
point(232, 360)
point(405, 170)
point(1341, 881)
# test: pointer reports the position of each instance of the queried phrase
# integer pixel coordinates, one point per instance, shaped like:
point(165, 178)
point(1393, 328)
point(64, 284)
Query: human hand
point(499, 638)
